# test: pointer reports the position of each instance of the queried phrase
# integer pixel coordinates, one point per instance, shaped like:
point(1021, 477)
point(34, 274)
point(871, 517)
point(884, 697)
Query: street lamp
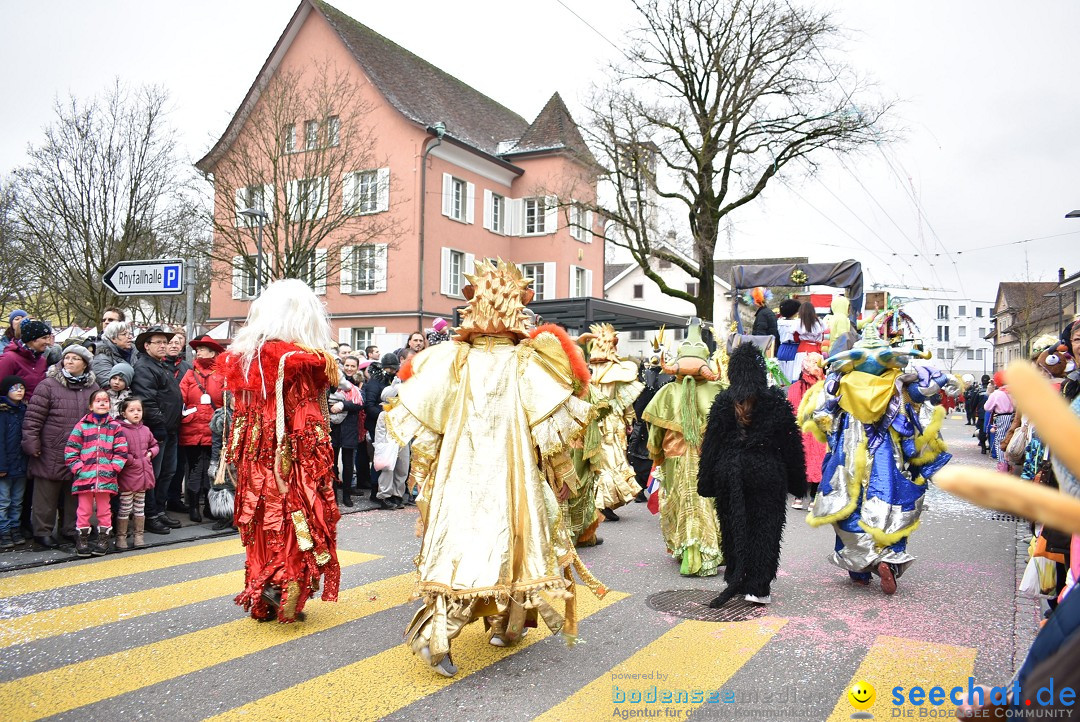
point(261, 217)
point(439, 130)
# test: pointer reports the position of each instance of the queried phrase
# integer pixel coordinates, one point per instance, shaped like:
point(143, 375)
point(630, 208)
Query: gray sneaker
point(6, 542)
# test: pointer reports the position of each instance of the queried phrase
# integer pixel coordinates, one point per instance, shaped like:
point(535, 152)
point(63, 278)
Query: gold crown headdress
point(497, 295)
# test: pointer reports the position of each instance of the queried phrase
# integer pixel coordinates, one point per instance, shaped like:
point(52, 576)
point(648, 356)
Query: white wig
point(286, 310)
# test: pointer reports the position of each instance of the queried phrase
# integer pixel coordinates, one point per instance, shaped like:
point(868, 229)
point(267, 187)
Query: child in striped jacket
point(96, 451)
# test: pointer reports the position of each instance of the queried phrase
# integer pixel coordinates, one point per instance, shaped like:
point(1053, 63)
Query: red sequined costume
point(291, 541)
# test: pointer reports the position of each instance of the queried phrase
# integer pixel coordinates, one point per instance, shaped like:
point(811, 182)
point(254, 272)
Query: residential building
point(627, 283)
point(449, 176)
point(1025, 310)
point(951, 326)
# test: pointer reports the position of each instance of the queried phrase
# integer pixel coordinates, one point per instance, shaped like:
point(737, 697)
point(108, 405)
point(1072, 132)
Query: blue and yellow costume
point(879, 455)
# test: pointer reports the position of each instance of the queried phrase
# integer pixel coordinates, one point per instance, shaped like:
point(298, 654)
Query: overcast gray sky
point(991, 151)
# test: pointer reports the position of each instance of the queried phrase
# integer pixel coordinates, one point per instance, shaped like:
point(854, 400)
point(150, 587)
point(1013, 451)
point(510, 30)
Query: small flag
point(652, 489)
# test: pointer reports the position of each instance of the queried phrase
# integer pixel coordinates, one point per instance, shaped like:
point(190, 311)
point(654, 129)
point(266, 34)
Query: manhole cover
point(692, 604)
point(997, 516)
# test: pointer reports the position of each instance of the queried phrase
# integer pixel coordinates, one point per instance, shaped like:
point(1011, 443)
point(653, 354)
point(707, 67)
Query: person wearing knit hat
point(15, 318)
point(25, 355)
point(118, 384)
point(12, 460)
point(82, 352)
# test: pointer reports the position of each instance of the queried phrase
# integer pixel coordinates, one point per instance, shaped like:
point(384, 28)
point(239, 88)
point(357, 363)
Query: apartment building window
point(363, 268)
point(639, 290)
point(978, 312)
point(459, 199)
point(535, 215)
point(580, 282)
point(243, 277)
point(260, 197)
point(366, 191)
point(456, 264)
point(496, 209)
point(361, 338)
point(978, 354)
point(971, 354)
point(637, 335)
point(943, 333)
point(943, 313)
point(961, 310)
point(310, 267)
point(333, 133)
point(307, 198)
point(961, 332)
point(288, 140)
point(949, 354)
point(311, 135)
point(691, 288)
point(535, 272)
point(580, 224)
point(982, 332)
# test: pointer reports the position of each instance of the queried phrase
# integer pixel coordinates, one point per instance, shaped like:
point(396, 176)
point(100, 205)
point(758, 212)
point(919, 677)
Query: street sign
point(157, 277)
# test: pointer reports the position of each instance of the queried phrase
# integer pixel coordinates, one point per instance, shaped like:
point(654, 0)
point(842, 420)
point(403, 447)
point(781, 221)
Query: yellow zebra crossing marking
point(328, 696)
point(66, 575)
point(64, 620)
point(75, 685)
point(694, 655)
point(894, 661)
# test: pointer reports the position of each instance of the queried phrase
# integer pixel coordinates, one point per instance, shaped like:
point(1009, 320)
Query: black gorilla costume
point(750, 470)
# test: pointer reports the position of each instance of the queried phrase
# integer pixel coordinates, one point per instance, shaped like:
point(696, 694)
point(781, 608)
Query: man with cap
point(372, 393)
point(155, 384)
point(15, 318)
point(25, 355)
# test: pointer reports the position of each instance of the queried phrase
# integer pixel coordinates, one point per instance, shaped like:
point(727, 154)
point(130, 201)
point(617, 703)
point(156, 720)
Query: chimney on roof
point(1061, 275)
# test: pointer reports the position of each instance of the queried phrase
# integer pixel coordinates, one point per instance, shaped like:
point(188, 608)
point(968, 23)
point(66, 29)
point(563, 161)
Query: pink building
point(494, 185)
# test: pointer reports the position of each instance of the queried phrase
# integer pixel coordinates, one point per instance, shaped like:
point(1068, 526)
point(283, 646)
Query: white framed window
point(288, 138)
point(978, 354)
point(455, 264)
point(943, 333)
point(260, 197)
point(311, 135)
point(949, 354)
point(691, 288)
point(971, 354)
point(961, 310)
point(978, 312)
point(542, 276)
point(307, 198)
point(637, 335)
point(639, 290)
point(541, 215)
point(366, 191)
point(961, 332)
point(363, 268)
point(943, 313)
point(580, 221)
point(458, 199)
point(312, 269)
point(333, 131)
point(243, 277)
point(495, 212)
point(360, 338)
point(580, 282)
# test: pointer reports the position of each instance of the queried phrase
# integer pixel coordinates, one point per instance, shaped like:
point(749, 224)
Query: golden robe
point(616, 383)
point(491, 424)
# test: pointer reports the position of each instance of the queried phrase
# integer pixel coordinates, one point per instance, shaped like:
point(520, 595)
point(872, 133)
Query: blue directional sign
point(159, 277)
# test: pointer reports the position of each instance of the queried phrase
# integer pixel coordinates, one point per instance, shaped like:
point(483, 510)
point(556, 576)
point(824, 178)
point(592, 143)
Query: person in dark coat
point(114, 347)
point(156, 384)
point(764, 320)
point(372, 393)
point(12, 460)
point(346, 406)
point(58, 403)
point(751, 459)
point(637, 444)
point(25, 356)
point(202, 389)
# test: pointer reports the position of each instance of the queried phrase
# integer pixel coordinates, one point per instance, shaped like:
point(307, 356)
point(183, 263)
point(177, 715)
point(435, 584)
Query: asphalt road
point(155, 635)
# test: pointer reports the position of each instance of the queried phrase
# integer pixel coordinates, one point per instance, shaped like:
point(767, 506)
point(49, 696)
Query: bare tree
point(305, 157)
point(105, 185)
point(717, 98)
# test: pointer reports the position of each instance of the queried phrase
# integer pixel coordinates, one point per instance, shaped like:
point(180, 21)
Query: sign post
point(159, 277)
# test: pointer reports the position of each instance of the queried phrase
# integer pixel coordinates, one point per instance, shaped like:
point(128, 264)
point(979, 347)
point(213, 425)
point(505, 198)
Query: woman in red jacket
point(202, 388)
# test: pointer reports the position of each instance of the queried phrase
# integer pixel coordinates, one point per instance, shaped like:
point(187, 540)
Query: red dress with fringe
point(291, 540)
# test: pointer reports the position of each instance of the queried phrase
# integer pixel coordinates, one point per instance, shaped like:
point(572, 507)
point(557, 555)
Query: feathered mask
point(757, 296)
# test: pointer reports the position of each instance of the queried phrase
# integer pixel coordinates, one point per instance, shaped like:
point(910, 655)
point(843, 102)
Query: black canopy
point(577, 314)
point(845, 274)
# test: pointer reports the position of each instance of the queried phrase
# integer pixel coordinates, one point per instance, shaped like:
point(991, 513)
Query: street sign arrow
point(156, 277)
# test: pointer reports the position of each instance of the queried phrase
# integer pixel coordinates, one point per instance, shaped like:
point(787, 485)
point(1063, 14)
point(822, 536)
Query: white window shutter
point(549, 281)
point(487, 209)
point(573, 277)
point(347, 270)
point(470, 205)
point(320, 271)
point(324, 197)
point(344, 335)
point(292, 201)
point(551, 214)
point(470, 268)
point(268, 201)
point(383, 202)
point(348, 193)
point(515, 213)
point(447, 194)
point(587, 236)
point(574, 220)
point(588, 282)
point(241, 204)
point(238, 277)
point(444, 272)
point(383, 267)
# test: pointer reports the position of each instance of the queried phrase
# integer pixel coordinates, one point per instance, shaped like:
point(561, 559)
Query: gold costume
point(617, 384)
point(491, 422)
